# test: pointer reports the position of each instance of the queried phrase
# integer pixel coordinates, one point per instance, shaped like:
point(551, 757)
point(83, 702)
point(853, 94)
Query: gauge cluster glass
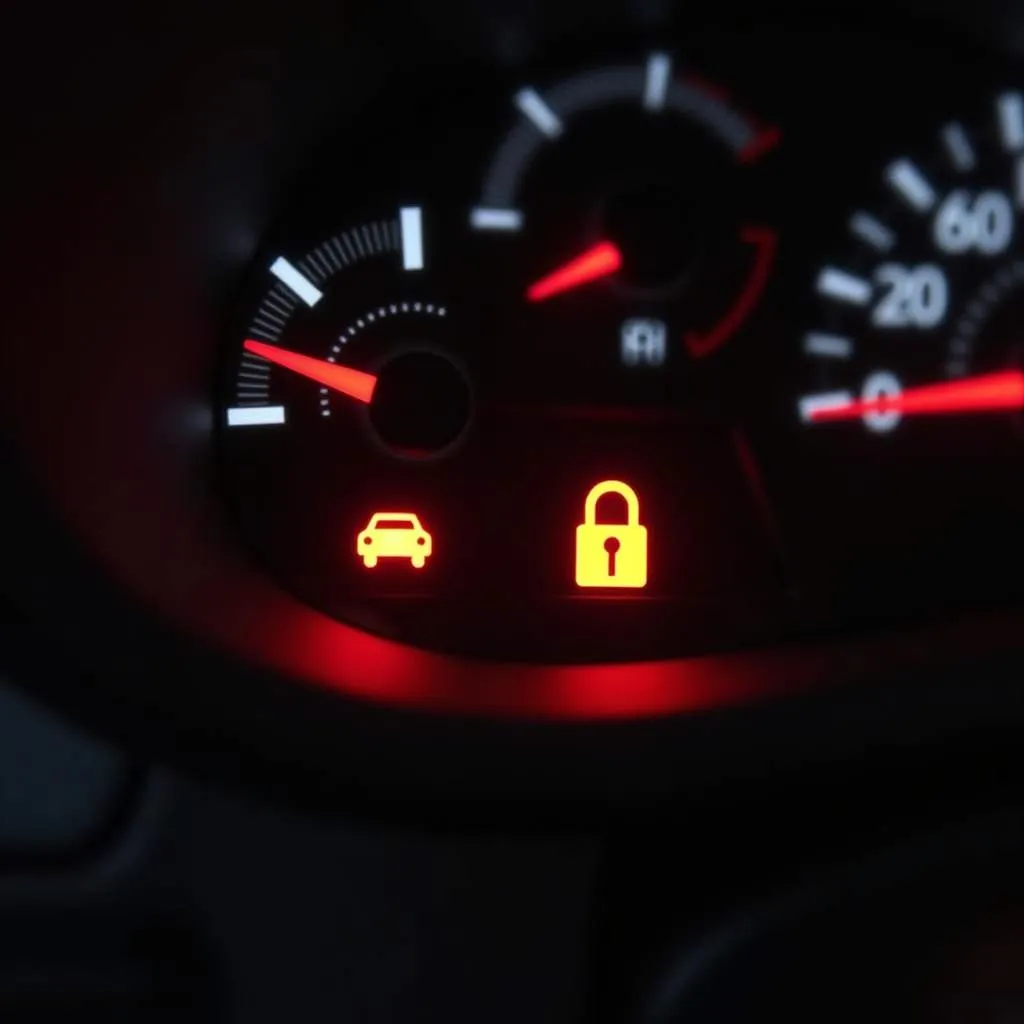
point(622, 357)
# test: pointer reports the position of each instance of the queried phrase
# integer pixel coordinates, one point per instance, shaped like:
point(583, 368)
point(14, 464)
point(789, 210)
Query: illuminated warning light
point(394, 535)
point(611, 554)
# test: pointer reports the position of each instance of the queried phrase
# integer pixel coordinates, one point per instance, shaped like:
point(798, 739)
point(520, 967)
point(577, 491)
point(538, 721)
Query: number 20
point(915, 296)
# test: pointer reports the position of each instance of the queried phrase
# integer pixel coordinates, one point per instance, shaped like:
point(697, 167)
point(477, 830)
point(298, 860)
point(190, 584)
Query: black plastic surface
point(59, 789)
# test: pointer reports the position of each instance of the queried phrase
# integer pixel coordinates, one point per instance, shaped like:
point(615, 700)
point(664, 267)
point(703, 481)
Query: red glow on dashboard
point(597, 262)
point(388, 672)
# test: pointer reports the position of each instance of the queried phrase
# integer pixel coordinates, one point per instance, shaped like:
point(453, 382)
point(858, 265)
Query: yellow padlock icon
point(611, 554)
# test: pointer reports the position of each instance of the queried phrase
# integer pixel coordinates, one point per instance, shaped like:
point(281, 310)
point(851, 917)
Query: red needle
point(598, 261)
point(354, 383)
point(993, 392)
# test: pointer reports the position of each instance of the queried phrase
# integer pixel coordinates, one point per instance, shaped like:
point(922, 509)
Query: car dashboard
point(576, 443)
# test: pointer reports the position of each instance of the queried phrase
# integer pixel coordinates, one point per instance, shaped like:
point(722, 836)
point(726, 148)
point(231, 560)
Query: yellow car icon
point(394, 535)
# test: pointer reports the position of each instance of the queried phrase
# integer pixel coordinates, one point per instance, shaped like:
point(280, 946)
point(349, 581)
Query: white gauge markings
point(933, 268)
point(958, 147)
point(872, 231)
point(256, 415)
point(656, 79)
point(489, 218)
point(296, 280)
point(828, 346)
point(911, 185)
point(844, 286)
point(535, 109)
point(1010, 107)
point(281, 299)
point(412, 237)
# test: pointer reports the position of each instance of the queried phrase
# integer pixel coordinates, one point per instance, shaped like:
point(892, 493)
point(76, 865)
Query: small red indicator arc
point(762, 143)
point(764, 242)
point(993, 392)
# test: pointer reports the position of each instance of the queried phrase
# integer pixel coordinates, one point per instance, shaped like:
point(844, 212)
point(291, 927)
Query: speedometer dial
point(919, 319)
point(908, 410)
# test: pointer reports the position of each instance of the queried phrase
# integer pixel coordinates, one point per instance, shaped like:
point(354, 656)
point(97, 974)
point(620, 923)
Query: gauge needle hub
point(992, 392)
point(344, 379)
point(598, 261)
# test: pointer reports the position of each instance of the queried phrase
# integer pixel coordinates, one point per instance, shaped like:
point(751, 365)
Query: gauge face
point(913, 370)
point(499, 419)
point(646, 179)
point(334, 320)
point(923, 324)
